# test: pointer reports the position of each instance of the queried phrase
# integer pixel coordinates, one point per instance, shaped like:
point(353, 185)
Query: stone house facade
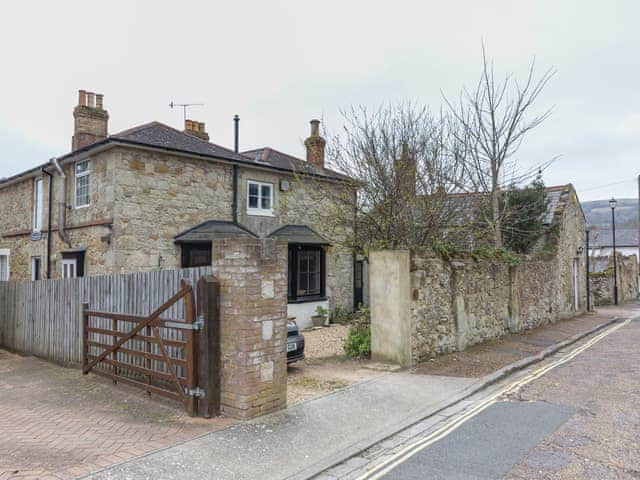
point(153, 197)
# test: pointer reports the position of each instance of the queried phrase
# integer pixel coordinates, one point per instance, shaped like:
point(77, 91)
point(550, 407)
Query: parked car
point(295, 342)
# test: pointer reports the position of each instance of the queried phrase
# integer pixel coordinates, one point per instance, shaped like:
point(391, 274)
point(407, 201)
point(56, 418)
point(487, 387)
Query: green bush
point(358, 341)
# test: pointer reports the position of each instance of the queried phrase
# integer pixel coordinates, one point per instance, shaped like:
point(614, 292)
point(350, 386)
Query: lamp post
point(612, 204)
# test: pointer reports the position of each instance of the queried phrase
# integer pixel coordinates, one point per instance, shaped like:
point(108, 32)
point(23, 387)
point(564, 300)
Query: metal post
point(615, 262)
point(588, 281)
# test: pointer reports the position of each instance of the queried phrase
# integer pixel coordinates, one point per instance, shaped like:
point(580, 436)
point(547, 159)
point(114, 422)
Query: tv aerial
point(184, 106)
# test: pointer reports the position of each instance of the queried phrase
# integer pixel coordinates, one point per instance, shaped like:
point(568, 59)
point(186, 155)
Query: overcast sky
point(278, 64)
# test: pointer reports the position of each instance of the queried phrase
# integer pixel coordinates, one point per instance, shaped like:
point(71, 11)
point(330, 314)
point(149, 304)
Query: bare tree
point(405, 161)
point(491, 123)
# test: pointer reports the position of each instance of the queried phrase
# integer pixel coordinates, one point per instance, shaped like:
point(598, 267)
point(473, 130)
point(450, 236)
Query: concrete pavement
point(303, 439)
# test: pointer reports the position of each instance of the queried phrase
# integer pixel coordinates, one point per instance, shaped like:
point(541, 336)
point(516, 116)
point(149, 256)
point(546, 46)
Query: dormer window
point(82, 177)
point(259, 198)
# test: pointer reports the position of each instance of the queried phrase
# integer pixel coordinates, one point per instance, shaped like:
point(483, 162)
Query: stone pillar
point(253, 311)
point(513, 322)
point(459, 310)
point(390, 297)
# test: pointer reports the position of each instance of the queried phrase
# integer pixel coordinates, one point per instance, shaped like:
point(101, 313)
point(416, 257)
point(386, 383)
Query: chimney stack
point(90, 120)
point(315, 146)
point(196, 129)
point(406, 171)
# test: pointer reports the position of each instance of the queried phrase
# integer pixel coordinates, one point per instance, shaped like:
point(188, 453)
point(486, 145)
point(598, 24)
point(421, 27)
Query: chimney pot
point(197, 129)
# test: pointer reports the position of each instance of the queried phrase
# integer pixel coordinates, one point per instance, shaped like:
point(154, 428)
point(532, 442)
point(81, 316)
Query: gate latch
point(194, 392)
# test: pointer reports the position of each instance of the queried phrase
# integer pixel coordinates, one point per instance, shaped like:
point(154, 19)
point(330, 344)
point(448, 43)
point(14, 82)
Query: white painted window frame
point(5, 252)
point(38, 203)
point(86, 173)
point(263, 212)
point(70, 262)
point(33, 270)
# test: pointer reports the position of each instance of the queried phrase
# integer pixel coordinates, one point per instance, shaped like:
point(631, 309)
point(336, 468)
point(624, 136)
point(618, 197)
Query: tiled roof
point(300, 234)
point(283, 161)
point(212, 229)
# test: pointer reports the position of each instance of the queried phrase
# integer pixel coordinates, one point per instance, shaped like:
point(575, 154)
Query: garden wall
point(602, 291)
point(449, 305)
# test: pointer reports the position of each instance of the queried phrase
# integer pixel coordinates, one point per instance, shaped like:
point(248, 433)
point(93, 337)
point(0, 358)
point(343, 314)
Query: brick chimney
point(196, 129)
point(315, 146)
point(90, 120)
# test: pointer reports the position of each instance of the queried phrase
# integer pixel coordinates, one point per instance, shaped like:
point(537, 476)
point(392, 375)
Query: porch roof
point(211, 230)
point(300, 234)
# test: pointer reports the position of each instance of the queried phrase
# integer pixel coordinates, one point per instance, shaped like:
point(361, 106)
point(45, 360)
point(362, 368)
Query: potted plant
point(320, 318)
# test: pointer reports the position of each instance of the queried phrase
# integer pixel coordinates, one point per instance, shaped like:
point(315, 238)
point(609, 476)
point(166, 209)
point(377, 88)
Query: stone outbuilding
point(153, 197)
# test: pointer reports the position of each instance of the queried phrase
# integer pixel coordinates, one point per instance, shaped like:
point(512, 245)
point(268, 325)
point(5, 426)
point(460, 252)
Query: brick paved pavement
point(56, 423)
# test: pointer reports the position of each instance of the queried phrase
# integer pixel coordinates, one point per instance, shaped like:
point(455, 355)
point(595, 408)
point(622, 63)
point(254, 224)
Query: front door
point(358, 284)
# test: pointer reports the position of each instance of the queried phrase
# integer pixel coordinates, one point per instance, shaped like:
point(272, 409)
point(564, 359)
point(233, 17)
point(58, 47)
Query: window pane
point(82, 191)
point(82, 167)
point(4, 268)
point(253, 201)
point(253, 189)
point(266, 203)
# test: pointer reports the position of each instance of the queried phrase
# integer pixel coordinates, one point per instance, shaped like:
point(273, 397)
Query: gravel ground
point(325, 368)
point(325, 341)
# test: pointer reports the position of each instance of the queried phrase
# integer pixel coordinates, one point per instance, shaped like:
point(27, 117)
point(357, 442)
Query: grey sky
point(279, 64)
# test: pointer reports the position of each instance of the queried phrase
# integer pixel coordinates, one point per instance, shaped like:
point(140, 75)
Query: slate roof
point(159, 135)
point(300, 234)
point(274, 158)
point(211, 230)
point(625, 237)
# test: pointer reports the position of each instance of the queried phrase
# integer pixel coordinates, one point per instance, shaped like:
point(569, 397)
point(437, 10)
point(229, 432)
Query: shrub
point(358, 341)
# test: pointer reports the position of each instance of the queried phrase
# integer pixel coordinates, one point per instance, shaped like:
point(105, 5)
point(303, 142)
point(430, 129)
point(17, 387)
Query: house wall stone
point(86, 227)
point(158, 196)
point(311, 203)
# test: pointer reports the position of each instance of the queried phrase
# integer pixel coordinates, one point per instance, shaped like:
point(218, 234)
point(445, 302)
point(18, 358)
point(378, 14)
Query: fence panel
point(44, 318)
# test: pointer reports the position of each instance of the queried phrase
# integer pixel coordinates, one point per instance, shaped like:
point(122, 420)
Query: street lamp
point(612, 204)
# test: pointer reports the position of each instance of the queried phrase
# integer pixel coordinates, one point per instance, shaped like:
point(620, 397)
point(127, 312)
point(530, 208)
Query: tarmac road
point(578, 420)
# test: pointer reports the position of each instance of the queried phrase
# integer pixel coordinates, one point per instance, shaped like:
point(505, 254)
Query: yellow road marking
point(410, 450)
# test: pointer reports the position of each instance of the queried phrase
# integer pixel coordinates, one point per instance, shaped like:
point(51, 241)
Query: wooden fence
point(44, 318)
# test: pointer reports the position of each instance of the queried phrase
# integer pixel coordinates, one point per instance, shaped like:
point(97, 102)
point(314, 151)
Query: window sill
point(318, 298)
point(79, 207)
point(261, 213)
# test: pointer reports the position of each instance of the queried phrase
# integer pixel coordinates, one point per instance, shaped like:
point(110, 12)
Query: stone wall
point(158, 196)
point(311, 203)
point(86, 227)
point(253, 291)
point(602, 283)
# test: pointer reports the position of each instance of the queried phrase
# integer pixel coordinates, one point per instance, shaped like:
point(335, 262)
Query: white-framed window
point(4, 264)
point(259, 198)
point(82, 178)
point(36, 266)
point(69, 268)
point(38, 205)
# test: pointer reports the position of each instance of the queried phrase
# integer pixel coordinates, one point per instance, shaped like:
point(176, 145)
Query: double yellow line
point(410, 450)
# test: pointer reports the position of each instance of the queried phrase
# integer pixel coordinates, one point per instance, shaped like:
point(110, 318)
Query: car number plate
point(291, 347)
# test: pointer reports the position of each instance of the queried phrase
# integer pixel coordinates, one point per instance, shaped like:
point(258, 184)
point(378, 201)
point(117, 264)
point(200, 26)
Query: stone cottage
point(153, 197)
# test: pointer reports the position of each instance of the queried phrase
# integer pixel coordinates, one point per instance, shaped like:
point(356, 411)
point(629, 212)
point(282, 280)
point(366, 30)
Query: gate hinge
point(194, 392)
point(197, 325)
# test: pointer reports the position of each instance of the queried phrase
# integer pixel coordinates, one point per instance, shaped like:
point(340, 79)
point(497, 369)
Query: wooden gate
point(155, 354)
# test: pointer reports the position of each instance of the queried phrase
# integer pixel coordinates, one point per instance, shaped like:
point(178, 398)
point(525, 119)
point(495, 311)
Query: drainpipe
point(588, 279)
point(49, 222)
point(234, 203)
point(63, 204)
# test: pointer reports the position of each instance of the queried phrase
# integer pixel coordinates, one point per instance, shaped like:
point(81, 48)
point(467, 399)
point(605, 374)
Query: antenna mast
point(184, 106)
